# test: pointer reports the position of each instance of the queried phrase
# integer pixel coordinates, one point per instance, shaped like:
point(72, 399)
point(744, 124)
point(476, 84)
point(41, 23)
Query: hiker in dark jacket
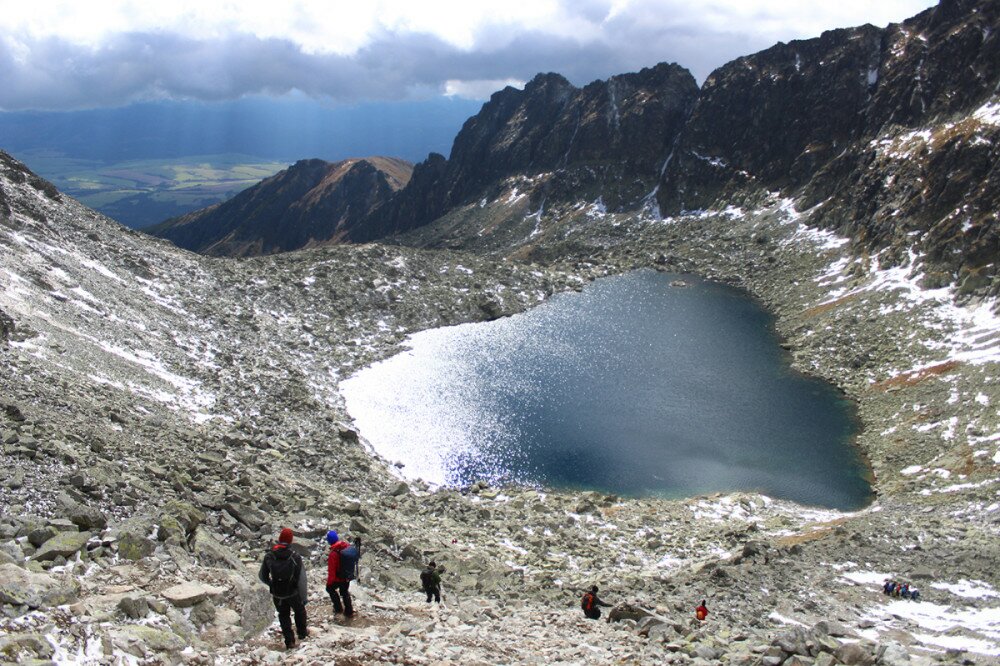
point(430, 579)
point(591, 604)
point(285, 575)
point(338, 585)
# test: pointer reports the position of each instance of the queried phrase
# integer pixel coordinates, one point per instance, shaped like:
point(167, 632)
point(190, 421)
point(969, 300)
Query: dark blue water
point(633, 386)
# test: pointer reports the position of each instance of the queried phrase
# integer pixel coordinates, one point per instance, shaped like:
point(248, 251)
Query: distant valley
point(139, 193)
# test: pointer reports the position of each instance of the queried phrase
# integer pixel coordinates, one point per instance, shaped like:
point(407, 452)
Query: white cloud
point(117, 48)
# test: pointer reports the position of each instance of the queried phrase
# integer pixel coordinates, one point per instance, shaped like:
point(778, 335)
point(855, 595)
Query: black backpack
point(284, 576)
point(347, 568)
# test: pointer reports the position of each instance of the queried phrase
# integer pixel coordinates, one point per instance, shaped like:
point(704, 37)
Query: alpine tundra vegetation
point(163, 414)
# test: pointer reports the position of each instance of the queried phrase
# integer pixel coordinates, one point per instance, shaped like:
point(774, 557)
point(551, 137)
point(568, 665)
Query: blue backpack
point(347, 568)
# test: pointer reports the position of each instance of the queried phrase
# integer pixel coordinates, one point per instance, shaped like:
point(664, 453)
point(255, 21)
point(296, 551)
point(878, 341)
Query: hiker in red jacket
point(591, 604)
point(338, 580)
point(701, 612)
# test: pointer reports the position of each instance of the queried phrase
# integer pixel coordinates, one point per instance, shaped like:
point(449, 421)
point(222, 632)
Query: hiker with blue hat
point(341, 569)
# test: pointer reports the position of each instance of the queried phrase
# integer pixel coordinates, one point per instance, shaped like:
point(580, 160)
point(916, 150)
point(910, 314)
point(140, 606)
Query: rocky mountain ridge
point(890, 133)
point(310, 203)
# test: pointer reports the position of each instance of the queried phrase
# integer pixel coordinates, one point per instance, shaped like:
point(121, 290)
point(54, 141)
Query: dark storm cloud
point(51, 73)
point(54, 74)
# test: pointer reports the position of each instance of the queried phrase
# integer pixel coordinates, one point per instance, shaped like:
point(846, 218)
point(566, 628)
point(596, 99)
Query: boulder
point(134, 608)
point(188, 594)
point(139, 640)
point(891, 653)
point(39, 536)
point(400, 488)
point(792, 641)
point(854, 653)
point(627, 611)
point(211, 552)
point(24, 646)
point(86, 517)
point(252, 600)
point(20, 587)
point(832, 628)
point(64, 544)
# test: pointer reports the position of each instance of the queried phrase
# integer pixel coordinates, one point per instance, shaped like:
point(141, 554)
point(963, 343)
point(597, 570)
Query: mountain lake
point(646, 384)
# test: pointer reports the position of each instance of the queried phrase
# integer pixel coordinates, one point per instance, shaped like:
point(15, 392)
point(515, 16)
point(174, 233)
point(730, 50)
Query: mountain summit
point(310, 202)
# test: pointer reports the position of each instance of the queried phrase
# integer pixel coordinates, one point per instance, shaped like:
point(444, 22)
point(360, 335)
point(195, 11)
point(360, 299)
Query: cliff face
point(310, 202)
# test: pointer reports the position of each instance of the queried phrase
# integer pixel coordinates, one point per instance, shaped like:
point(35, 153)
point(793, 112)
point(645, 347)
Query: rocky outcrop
point(609, 137)
point(19, 587)
point(310, 203)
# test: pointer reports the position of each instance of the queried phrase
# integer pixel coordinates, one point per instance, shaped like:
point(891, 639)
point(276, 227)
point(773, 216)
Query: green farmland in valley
point(143, 192)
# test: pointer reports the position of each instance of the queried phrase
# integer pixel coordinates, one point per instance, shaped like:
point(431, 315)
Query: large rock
point(142, 641)
point(627, 611)
point(134, 542)
point(892, 653)
point(211, 552)
point(854, 653)
point(252, 601)
point(19, 587)
point(64, 544)
point(88, 518)
point(186, 595)
point(187, 515)
point(24, 646)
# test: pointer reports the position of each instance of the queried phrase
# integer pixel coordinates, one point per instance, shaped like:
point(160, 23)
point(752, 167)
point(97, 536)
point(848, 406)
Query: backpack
point(284, 577)
point(587, 603)
point(347, 566)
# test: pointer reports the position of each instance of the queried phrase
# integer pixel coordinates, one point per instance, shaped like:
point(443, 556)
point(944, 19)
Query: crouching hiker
point(285, 575)
point(591, 604)
point(701, 611)
point(430, 579)
point(341, 569)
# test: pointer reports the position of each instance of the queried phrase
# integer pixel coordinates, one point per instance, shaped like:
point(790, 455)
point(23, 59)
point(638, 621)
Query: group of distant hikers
point(895, 589)
point(283, 571)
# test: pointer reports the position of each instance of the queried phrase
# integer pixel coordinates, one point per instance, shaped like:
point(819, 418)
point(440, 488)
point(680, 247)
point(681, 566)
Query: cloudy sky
point(71, 54)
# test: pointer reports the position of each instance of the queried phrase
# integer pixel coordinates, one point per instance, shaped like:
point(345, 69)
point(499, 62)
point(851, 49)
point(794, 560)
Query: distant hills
point(146, 162)
point(309, 203)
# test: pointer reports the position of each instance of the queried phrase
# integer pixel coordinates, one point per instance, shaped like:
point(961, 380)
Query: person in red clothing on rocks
point(341, 565)
point(701, 612)
point(285, 575)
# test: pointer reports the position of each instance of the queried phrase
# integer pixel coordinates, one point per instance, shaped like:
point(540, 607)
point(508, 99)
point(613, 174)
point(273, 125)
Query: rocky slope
point(309, 203)
point(164, 414)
